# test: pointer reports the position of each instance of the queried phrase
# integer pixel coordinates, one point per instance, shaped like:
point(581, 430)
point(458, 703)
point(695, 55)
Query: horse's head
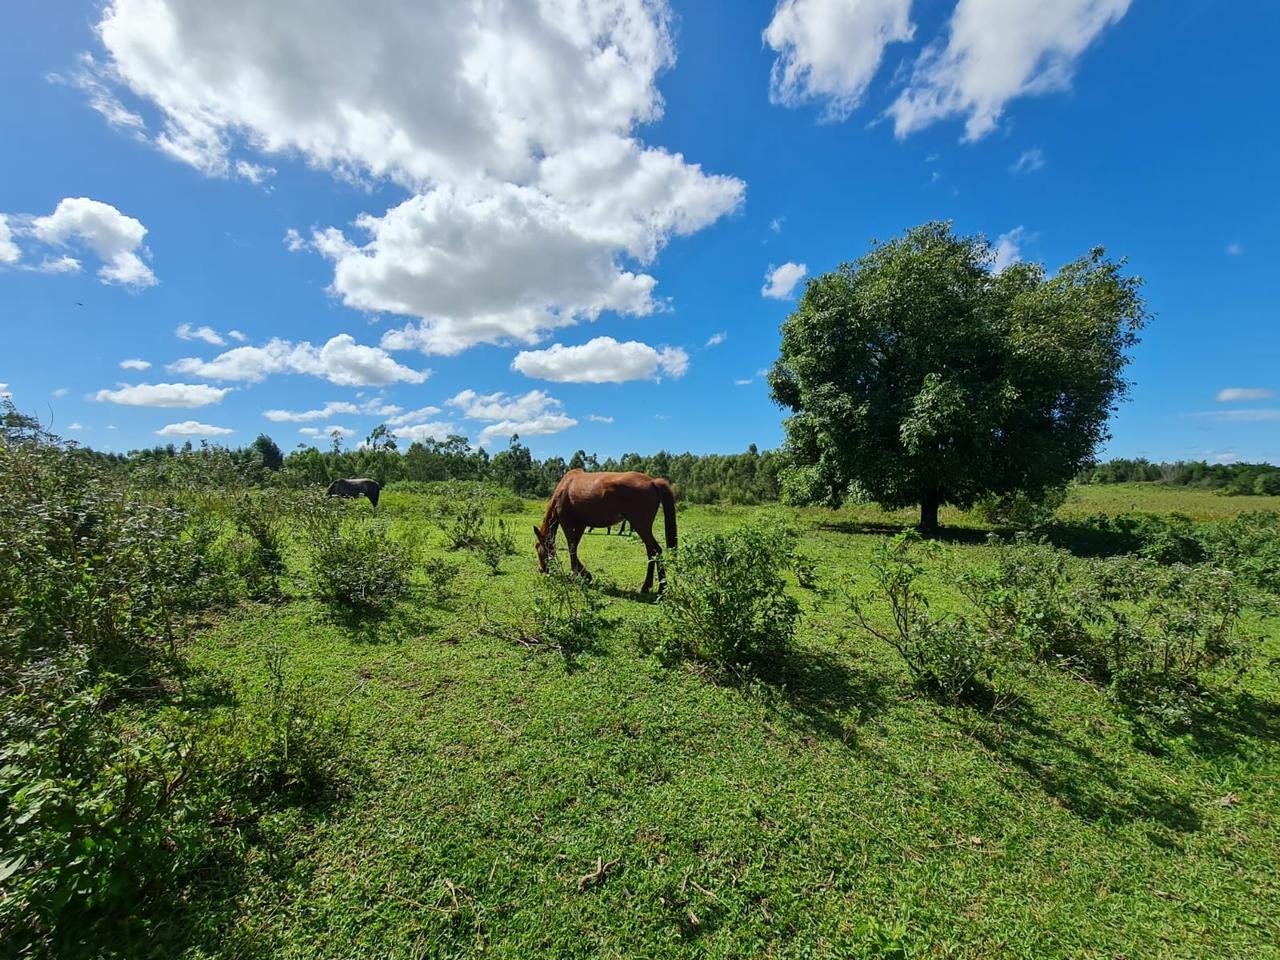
point(545, 547)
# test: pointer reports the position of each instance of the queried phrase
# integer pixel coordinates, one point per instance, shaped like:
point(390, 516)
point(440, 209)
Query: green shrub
point(1030, 600)
point(356, 566)
point(1166, 631)
point(725, 601)
point(496, 543)
point(258, 553)
point(460, 516)
point(947, 656)
point(568, 612)
point(440, 575)
point(83, 560)
point(1249, 546)
point(1021, 511)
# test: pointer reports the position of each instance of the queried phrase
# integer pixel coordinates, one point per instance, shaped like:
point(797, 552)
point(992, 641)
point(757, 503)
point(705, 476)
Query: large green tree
point(922, 374)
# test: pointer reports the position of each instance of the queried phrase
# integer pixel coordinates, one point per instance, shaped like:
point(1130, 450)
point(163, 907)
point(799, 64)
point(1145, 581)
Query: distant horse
point(600, 499)
point(359, 487)
point(622, 528)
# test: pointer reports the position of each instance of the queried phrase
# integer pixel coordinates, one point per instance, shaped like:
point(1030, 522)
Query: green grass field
point(517, 803)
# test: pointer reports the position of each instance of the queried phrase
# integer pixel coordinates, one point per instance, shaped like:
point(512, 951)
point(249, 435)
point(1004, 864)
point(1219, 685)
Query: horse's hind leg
point(654, 552)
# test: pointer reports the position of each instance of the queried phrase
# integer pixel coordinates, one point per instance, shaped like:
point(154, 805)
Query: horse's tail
point(668, 510)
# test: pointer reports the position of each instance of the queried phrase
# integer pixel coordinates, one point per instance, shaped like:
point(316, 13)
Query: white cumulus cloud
point(512, 125)
point(1029, 161)
point(426, 430)
point(135, 364)
point(163, 395)
point(341, 361)
point(830, 50)
point(207, 334)
point(1236, 394)
point(716, 339)
point(780, 282)
point(602, 360)
point(1008, 248)
point(329, 431)
point(997, 50)
point(193, 428)
point(597, 418)
point(114, 238)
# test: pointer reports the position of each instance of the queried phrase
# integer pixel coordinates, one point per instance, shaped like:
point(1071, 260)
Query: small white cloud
point(1029, 162)
point(1227, 456)
point(115, 238)
point(776, 224)
point(780, 282)
point(76, 426)
point(61, 392)
point(4, 390)
point(294, 241)
point(1235, 250)
point(341, 361)
point(412, 416)
point(716, 339)
point(830, 50)
point(596, 418)
point(1008, 248)
point(427, 430)
point(135, 364)
point(193, 428)
point(63, 264)
point(1236, 394)
point(317, 432)
point(184, 331)
point(744, 382)
point(253, 172)
point(1254, 415)
point(9, 252)
point(602, 360)
point(237, 336)
point(163, 395)
point(548, 423)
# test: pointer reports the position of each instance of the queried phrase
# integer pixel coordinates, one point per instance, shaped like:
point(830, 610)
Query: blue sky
point(417, 213)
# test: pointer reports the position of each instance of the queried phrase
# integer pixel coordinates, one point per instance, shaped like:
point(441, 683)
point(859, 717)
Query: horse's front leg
point(572, 536)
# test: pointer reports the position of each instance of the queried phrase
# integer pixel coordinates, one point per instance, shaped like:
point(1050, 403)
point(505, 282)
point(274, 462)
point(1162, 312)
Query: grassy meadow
point(514, 801)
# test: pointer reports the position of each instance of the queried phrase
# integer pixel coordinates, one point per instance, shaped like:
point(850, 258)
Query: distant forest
point(1230, 478)
point(742, 478)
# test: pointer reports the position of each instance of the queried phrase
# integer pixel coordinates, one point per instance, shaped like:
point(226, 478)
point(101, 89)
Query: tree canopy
point(922, 374)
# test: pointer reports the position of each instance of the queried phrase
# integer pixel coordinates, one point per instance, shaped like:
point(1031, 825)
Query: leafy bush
point(947, 656)
point(1166, 629)
point(725, 602)
point(258, 557)
point(496, 543)
point(1249, 546)
point(85, 561)
point(440, 575)
point(461, 518)
point(568, 612)
point(356, 567)
point(1021, 511)
point(90, 818)
point(1030, 600)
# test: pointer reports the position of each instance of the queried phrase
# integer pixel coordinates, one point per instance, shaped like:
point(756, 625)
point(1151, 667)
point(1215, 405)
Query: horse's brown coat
point(600, 499)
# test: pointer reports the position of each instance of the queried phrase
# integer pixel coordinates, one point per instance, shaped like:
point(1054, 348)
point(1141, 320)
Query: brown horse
point(600, 499)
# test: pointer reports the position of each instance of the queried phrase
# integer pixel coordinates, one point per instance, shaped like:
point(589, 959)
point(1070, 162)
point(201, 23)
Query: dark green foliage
point(920, 375)
point(257, 554)
point(1234, 479)
point(947, 655)
point(357, 568)
point(568, 612)
point(1248, 546)
point(726, 602)
point(269, 451)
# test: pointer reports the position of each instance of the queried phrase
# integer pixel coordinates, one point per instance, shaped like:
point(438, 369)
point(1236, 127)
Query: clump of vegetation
point(1248, 546)
point(947, 655)
point(461, 517)
point(1165, 631)
point(1030, 599)
point(726, 603)
point(496, 543)
point(440, 575)
point(568, 612)
point(257, 555)
point(357, 568)
point(1020, 511)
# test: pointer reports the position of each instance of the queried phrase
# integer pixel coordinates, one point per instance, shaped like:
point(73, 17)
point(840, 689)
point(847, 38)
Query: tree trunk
point(929, 514)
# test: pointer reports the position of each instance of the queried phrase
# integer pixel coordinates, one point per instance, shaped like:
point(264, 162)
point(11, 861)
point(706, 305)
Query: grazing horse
point(600, 499)
point(359, 487)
